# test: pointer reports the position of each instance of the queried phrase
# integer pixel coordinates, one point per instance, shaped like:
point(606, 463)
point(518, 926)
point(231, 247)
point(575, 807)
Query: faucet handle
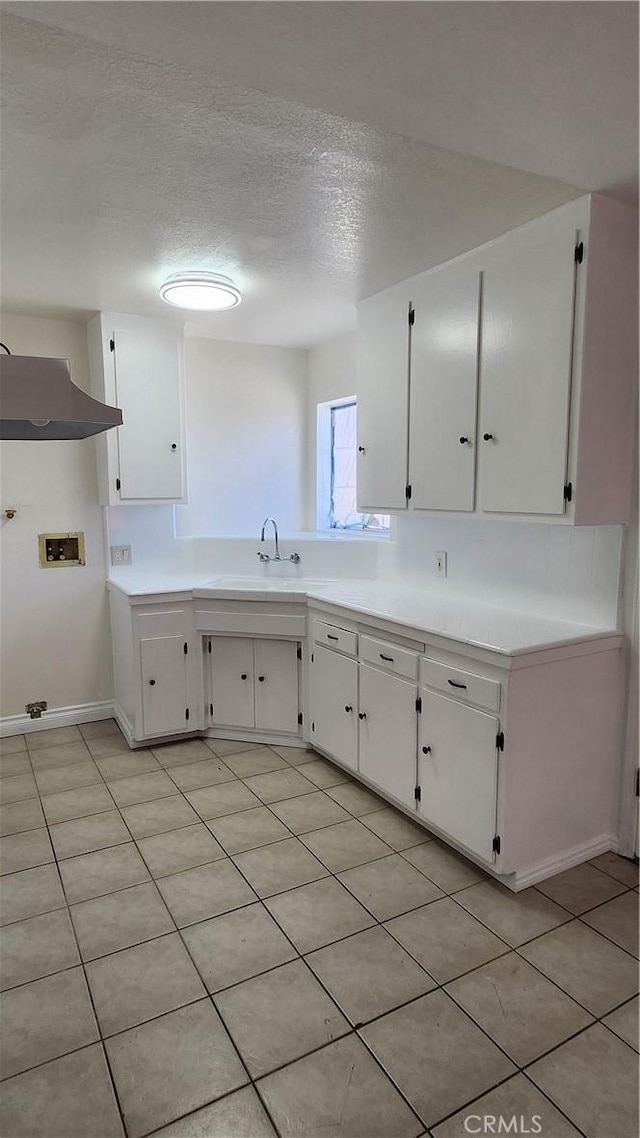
point(295, 557)
point(263, 557)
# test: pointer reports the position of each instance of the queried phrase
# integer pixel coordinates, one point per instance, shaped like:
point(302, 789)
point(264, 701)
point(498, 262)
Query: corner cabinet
point(502, 383)
point(137, 364)
point(254, 684)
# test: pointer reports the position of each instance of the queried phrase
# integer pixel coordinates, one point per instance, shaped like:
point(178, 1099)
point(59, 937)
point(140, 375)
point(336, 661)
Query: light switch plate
point(120, 554)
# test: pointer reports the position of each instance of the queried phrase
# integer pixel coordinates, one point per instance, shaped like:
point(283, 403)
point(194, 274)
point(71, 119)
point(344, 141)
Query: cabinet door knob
point(362, 450)
point(348, 707)
point(174, 446)
point(362, 715)
point(486, 436)
point(463, 439)
point(426, 750)
point(260, 679)
point(152, 683)
point(243, 676)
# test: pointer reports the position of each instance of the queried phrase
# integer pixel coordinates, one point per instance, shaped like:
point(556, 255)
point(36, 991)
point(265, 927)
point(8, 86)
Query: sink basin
point(266, 584)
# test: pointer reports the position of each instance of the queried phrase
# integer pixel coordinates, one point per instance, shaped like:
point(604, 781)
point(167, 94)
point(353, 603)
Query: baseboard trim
point(56, 717)
point(565, 860)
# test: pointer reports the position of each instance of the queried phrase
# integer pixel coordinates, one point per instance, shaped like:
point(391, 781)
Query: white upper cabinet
point(137, 364)
point(383, 400)
point(444, 380)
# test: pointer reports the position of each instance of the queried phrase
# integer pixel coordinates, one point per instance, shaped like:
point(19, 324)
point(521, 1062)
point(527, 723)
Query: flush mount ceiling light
point(207, 292)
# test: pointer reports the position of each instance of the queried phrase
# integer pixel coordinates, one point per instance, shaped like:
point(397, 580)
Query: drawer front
point(172, 622)
point(463, 685)
point(335, 637)
point(389, 656)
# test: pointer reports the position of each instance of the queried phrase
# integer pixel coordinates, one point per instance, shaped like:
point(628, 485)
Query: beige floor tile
point(224, 747)
point(207, 891)
point(624, 1022)
point(24, 851)
point(593, 1079)
point(236, 946)
point(324, 774)
point(76, 803)
point(159, 816)
point(448, 869)
point(389, 886)
point(296, 756)
point(15, 788)
point(356, 799)
point(617, 920)
point(345, 845)
point(65, 755)
point(622, 868)
point(279, 1016)
point(70, 1097)
point(446, 940)
point(580, 888)
point(437, 1057)
point(179, 850)
point(217, 801)
point(172, 1065)
point(52, 737)
point(176, 754)
point(369, 974)
point(14, 764)
point(524, 1013)
point(68, 778)
point(16, 817)
point(36, 947)
point(45, 1019)
point(120, 920)
point(142, 788)
point(106, 746)
point(240, 1114)
point(82, 835)
point(318, 914)
point(127, 765)
point(605, 976)
point(102, 871)
point(279, 866)
point(206, 772)
point(99, 729)
point(395, 829)
point(12, 744)
point(517, 1098)
point(259, 761)
point(248, 829)
point(141, 983)
point(279, 785)
point(309, 812)
point(30, 892)
point(516, 917)
point(338, 1091)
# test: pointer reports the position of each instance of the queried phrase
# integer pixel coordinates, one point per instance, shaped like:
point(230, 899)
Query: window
point(337, 470)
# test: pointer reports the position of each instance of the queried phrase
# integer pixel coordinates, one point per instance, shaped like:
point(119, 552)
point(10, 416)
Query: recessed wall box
point(57, 549)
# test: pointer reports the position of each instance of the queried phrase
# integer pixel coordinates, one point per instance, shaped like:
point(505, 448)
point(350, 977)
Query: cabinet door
point(232, 681)
point(164, 685)
point(383, 395)
point(387, 749)
point(525, 376)
point(276, 685)
point(444, 365)
point(458, 773)
point(148, 383)
point(334, 705)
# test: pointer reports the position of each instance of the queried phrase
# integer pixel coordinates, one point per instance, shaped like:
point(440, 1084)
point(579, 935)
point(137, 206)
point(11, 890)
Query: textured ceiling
point(153, 152)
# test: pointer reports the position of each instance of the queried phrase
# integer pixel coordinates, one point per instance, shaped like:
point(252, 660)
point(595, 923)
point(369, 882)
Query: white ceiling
point(295, 146)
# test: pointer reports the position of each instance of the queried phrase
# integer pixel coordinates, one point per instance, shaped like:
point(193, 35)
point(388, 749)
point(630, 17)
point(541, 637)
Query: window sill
point(349, 535)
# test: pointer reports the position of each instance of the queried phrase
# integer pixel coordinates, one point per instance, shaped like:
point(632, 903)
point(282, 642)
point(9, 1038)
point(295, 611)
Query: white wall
point(54, 622)
point(246, 418)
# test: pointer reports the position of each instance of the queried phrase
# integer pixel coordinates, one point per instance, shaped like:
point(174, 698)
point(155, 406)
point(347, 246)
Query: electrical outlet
point(120, 554)
point(441, 564)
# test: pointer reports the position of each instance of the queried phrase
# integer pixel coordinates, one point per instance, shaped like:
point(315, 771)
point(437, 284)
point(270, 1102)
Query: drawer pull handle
point(348, 707)
point(260, 679)
point(330, 637)
point(152, 683)
point(389, 658)
point(362, 715)
point(426, 750)
point(243, 676)
point(455, 685)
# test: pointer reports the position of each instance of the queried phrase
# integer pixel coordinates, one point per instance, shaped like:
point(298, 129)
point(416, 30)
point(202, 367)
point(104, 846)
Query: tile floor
point(224, 939)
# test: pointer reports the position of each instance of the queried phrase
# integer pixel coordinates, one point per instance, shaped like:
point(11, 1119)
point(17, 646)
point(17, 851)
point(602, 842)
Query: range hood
point(39, 401)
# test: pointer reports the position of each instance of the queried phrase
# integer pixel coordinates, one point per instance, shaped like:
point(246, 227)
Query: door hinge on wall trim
point(578, 253)
point(418, 794)
point(300, 718)
point(568, 492)
point(419, 705)
point(407, 492)
point(412, 316)
point(299, 651)
point(186, 712)
point(117, 483)
point(500, 741)
point(496, 844)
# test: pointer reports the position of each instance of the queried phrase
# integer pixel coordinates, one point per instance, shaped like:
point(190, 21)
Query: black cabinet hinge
point(568, 492)
point(211, 710)
point(186, 648)
point(407, 492)
point(209, 646)
point(117, 483)
point(300, 718)
point(419, 705)
point(578, 253)
point(299, 651)
point(112, 345)
point(418, 794)
point(186, 712)
point(412, 316)
point(312, 658)
point(500, 741)
point(496, 845)
point(313, 726)
point(638, 783)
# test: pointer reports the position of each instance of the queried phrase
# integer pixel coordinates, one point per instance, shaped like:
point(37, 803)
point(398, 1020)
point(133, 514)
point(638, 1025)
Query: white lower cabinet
point(334, 705)
point(458, 771)
point(387, 745)
point(165, 685)
point(254, 684)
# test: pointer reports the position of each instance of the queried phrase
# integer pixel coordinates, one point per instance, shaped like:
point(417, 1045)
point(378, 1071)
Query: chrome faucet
point(264, 557)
